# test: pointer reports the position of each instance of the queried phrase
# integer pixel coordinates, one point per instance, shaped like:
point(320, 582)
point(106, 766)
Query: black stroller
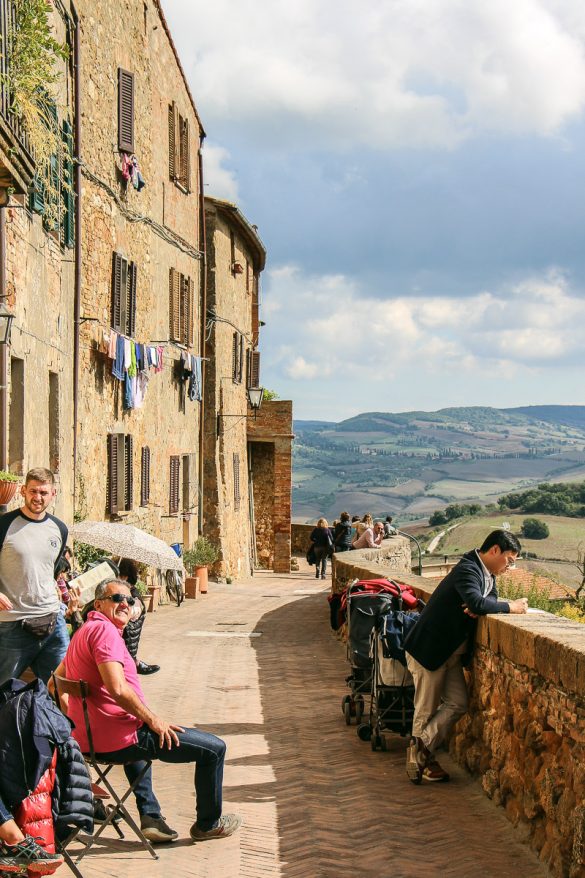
point(364, 603)
point(392, 696)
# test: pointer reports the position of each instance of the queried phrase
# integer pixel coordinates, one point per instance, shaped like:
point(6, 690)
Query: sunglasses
point(121, 599)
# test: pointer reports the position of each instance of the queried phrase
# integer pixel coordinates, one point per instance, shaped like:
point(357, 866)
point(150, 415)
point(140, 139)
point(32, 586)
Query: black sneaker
point(27, 854)
point(156, 830)
point(145, 668)
point(227, 825)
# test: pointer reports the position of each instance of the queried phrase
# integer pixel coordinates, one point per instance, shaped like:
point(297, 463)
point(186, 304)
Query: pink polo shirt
point(96, 642)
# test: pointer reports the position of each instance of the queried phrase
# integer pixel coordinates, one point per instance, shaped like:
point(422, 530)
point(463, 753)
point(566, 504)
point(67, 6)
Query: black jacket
point(342, 535)
point(321, 536)
point(31, 727)
point(443, 626)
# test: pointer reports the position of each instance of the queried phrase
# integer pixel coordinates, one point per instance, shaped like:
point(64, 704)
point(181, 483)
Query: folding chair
point(80, 689)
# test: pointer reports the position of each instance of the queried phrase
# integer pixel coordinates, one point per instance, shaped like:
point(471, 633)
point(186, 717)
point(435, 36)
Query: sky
point(416, 170)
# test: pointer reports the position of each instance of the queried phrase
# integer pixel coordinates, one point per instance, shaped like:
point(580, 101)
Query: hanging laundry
point(141, 388)
point(129, 393)
point(132, 370)
point(127, 353)
point(159, 357)
point(118, 364)
point(127, 166)
point(195, 388)
point(112, 345)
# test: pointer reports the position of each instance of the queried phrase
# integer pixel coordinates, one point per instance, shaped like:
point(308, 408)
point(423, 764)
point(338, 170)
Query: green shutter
point(67, 191)
point(36, 196)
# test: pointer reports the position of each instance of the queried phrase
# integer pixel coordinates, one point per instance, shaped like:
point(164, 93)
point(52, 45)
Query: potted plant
point(197, 559)
point(8, 485)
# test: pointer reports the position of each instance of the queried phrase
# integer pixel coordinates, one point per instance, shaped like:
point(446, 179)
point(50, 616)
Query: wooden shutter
point(125, 111)
point(255, 369)
point(120, 294)
point(241, 359)
point(112, 480)
point(172, 141)
point(248, 367)
point(189, 481)
point(175, 466)
point(128, 472)
point(174, 305)
point(236, 462)
point(184, 156)
point(145, 476)
point(131, 300)
point(184, 310)
point(235, 354)
point(191, 298)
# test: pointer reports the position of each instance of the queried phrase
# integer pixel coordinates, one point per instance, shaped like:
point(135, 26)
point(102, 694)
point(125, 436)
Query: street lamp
point(6, 318)
point(255, 397)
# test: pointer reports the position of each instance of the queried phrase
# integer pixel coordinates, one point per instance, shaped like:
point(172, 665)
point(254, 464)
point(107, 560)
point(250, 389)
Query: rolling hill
point(410, 463)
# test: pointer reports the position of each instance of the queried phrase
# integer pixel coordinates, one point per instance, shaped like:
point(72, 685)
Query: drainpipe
point(77, 252)
point(203, 299)
point(3, 354)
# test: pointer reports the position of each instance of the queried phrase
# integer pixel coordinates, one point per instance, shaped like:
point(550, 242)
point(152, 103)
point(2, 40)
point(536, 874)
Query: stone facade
point(40, 289)
point(270, 436)
point(157, 229)
point(524, 735)
point(235, 257)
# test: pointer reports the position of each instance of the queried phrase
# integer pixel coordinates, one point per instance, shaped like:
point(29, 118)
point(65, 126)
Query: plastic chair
point(80, 689)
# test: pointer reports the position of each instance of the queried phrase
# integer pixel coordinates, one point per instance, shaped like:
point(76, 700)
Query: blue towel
point(118, 364)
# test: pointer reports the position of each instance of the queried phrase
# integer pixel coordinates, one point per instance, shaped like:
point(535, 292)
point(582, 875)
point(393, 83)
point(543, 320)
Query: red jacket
point(33, 815)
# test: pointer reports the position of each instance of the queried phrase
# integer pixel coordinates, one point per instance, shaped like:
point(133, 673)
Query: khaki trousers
point(440, 699)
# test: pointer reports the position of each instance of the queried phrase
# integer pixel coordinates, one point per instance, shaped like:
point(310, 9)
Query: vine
point(31, 52)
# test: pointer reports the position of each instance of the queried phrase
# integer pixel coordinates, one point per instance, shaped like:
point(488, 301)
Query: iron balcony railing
point(9, 121)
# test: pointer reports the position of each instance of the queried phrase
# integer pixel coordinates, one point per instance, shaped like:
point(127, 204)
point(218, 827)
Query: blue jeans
point(20, 650)
point(5, 814)
point(205, 750)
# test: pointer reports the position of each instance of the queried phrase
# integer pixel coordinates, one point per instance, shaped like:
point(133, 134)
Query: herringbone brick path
point(317, 802)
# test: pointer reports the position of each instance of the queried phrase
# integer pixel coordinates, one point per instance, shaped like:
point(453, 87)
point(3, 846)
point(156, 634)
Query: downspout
point(77, 252)
point(202, 345)
point(3, 354)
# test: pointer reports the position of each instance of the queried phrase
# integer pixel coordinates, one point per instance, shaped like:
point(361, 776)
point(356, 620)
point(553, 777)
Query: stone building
point(37, 283)
point(247, 484)
point(138, 450)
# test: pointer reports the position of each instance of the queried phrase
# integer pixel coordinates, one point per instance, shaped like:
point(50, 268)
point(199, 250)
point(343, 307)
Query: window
point(253, 373)
point(189, 482)
point(179, 153)
point(125, 111)
point(237, 497)
point(145, 476)
point(16, 417)
point(68, 223)
point(54, 421)
point(181, 308)
point(237, 357)
point(175, 467)
point(123, 295)
point(120, 481)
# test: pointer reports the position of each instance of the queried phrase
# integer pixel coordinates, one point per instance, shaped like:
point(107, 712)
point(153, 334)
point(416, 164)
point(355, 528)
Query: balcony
point(17, 166)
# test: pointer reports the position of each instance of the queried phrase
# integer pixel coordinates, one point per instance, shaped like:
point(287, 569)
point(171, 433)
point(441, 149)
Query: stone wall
point(230, 308)
point(300, 537)
point(263, 470)
point(167, 423)
point(524, 735)
point(394, 554)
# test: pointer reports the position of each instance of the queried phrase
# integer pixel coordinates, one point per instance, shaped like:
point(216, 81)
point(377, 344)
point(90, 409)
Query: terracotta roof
point(179, 65)
point(528, 579)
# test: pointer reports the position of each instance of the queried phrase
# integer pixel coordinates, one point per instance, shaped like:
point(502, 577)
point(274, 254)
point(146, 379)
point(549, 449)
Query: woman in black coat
point(323, 543)
point(342, 533)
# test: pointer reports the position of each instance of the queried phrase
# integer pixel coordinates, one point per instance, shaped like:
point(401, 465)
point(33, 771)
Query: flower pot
point(191, 586)
point(7, 492)
point(201, 573)
point(154, 592)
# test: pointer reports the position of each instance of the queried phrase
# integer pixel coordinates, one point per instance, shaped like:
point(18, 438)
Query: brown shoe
point(434, 773)
point(417, 757)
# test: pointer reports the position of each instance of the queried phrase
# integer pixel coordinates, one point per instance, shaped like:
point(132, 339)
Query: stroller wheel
point(359, 708)
point(375, 741)
point(364, 732)
point(347, 712)
point(345, 700)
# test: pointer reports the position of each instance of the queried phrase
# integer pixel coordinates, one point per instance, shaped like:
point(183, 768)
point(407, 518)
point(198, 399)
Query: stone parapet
point(524, 734)
point(300, 537)
point(393, 554)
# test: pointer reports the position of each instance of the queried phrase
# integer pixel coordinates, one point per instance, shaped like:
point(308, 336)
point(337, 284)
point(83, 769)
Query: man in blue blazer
point(441, 643)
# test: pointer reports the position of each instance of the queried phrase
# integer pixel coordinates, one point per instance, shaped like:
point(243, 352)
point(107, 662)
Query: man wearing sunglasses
point(125, 730)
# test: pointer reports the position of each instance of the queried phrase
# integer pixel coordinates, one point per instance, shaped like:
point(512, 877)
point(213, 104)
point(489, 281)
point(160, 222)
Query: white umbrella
point(127, 541)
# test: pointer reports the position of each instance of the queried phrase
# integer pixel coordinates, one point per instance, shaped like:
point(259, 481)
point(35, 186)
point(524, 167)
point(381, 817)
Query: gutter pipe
point(203, 340)
point(77, 251)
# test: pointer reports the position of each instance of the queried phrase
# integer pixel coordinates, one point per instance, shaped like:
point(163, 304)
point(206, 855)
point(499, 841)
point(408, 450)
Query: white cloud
point(396, 74)
point(219, 181)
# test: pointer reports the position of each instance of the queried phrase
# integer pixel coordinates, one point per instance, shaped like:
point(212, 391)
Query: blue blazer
point(443, 626)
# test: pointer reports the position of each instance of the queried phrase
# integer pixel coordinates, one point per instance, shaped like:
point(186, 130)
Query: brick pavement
point(257, 664)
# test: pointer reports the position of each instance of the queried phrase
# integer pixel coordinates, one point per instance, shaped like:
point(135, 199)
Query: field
point(565, 535)
point(411, 463)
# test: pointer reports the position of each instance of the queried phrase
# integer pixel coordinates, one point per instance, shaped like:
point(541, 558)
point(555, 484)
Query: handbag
point(40, 626)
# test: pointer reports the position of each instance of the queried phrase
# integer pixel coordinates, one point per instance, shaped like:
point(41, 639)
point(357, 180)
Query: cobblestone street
point(257, 664)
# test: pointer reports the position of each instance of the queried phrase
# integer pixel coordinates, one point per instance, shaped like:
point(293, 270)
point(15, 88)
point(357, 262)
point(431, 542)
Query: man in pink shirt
point(371, 538)
point(125, 730)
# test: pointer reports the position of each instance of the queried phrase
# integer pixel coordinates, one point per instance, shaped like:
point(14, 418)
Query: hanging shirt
point(118, 364)
point(159, 357)
point(132, 370)
point(195, 380)
point(127, 354)
point(112, 345)
point(128, 392)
